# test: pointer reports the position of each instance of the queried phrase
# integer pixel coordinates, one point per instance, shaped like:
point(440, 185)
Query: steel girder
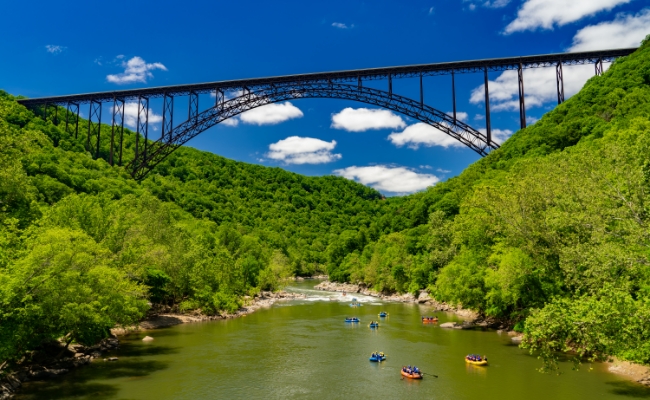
point(347, 76)
point(143, 163)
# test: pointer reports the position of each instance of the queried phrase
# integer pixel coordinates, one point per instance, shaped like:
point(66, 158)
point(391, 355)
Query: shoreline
point(75, 356)
point(158, 320)
point(423, 298)
point(635, 372)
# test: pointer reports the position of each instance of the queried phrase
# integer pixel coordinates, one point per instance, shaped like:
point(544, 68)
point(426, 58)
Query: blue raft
point(377, 357)
point(383, 314)
point(353, 319)
point(374, 325)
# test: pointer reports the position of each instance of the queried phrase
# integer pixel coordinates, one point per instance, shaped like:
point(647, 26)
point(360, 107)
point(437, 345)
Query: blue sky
point(51, 48)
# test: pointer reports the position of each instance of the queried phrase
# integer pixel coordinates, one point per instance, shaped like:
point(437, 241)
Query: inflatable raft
point(482, 362)
point(383, 314)
point(429, 320)
point(355, 319)
point(374, 325)
point(411, 376)
point(378, 357)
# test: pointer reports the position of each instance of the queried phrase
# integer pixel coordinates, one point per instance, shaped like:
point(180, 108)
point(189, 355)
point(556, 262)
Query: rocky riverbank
point(422, 298)
point(166, 317)
point(54, 360)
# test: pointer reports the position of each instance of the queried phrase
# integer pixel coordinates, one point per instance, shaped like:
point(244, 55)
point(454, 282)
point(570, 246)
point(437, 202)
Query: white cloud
point(460, 115)
point(498, 135)
point(624, 31)
point(341, 25)
point(540, 86)
point(425, 167)
point(432, 10)
point(496, 3)
point(472, 7)
point(131, 115)
point(389, 178)
point(303, 150)
point(232, 122)
point(271, 114)
point(547, 14)
point(363, 119)
point(135, 70)
point(54, 49)
point(531, 120)
point(443, 171)
point(422, 134)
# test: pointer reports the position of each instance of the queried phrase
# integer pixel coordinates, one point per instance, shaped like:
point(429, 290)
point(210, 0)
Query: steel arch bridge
point(253, 93)
point(223, 110)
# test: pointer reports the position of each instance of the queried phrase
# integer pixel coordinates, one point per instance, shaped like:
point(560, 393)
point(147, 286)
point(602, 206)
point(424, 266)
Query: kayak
point(383, 314)
point(352, 320)
point(377, 358)
point(482, 362)
point(411, 376)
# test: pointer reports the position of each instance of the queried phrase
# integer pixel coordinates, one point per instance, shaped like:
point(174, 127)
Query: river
point(303, 349)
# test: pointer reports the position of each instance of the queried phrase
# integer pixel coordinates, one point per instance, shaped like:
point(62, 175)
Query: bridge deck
point(408, 71)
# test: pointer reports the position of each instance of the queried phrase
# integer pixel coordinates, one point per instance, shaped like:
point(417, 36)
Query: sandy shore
point(635, 372)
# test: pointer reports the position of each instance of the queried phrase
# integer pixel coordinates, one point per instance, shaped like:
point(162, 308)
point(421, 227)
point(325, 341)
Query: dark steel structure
point(348, 84)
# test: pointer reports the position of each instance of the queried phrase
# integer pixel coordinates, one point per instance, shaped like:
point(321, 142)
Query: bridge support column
point(168, 115)
point(560, 83)
point(45, 112)
point(142, 125)
point(118, 111)
point(522, 105)
point(94, 129)
point(219, 98)
point(453, 93)
point(421, 93)
point(76, 114)
point(359, 85)
point(599, 67)
point(390, 85)
point(193, 110)
point(488, 127)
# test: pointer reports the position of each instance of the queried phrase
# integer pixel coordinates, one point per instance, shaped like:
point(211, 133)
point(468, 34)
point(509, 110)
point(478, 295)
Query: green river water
point(303, 349)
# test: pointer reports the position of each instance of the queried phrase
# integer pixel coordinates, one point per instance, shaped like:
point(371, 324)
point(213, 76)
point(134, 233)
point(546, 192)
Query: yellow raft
point(482, 362)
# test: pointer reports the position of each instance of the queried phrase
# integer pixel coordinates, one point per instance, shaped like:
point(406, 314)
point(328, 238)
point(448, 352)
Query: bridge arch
point(248, 100)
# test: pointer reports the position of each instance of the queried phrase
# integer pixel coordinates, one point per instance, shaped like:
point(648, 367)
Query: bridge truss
point(261, 91)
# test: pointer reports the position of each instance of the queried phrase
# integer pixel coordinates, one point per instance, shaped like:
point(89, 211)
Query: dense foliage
point(83, 247)
point(549, 232)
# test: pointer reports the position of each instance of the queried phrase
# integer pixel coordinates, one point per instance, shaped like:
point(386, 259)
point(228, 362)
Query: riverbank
point(423, 297)
point(157, 320)
point(54, 360)
point(634, 372)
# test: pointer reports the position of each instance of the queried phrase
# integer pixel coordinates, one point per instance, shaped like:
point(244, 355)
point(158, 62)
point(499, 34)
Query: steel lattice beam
point(348, 76)
point(118, 113)
point(94, 128)
point(189, 129)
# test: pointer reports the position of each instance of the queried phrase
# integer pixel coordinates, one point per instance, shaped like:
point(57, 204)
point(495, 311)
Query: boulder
point(147, 339)
point(448, 325)
point(112, 358)
point(516, 339)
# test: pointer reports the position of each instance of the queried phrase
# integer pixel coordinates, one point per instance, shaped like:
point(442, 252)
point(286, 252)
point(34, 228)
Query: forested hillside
point(549, 232)
point(84, 247)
